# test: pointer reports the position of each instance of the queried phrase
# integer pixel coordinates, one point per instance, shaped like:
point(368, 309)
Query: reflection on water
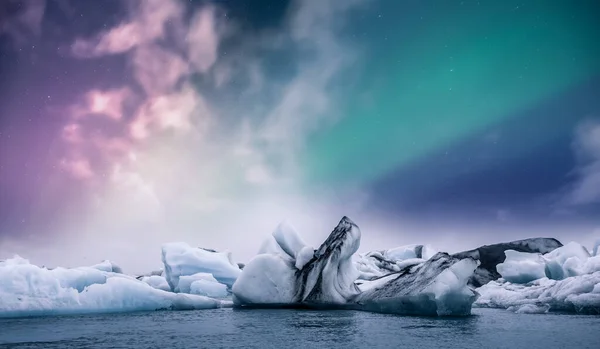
point(288, 328)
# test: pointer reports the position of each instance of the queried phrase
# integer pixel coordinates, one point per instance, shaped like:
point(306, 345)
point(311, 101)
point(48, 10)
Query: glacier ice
point(376, 264)
point(180, 259)
point(435, 287)
point(569, 260)
point(565, 279)
point(29, 290)
point(579, 294)
point(490, 256)
point(203, 284)
point(156, 281)
point(522, 267)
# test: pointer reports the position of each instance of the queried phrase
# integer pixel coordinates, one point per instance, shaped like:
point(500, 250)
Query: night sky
point(127, 124)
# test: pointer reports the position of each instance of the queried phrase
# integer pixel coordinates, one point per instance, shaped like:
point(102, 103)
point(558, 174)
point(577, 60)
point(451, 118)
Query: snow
point(180, 259)
point(29, 290)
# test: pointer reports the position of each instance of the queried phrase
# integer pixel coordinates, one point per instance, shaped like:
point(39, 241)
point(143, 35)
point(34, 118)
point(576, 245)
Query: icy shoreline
point(526, 276)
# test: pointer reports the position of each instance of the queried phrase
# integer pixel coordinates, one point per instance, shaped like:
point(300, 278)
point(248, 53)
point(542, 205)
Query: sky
point(128, 124)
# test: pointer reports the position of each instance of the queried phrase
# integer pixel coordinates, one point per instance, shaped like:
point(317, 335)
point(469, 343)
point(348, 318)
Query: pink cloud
point(147, 23)
point(174, 111)
point(72, 133)
point(79, 168)
point(157, 70)
point(109, 102)
point(203, 40)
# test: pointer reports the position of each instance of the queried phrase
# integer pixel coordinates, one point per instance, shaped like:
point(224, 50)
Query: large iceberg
point(29, 290)
point(328, 279)
point(180, 259)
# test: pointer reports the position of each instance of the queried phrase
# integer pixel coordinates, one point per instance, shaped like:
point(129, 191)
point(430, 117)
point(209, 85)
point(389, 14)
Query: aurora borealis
point(136, 123)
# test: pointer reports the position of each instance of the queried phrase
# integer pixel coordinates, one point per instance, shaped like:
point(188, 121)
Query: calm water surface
point(232, 328)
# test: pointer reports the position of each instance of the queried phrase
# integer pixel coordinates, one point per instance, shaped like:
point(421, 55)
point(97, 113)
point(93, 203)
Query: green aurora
point(466, 68)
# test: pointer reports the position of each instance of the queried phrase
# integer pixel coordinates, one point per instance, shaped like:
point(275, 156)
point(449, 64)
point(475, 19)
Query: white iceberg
point(180, 259)
point(29, 290)
point(328, 279)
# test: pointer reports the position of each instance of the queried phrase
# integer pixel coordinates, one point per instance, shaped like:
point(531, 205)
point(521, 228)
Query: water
point(232, 328)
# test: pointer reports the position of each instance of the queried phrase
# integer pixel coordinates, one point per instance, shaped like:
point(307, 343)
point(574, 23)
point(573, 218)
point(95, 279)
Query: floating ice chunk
point(156, 281)
point(327, 278)
point(579, 294)
point(203, 284)
point(566, 261)
point(208, 288)
point(28, 290)
point(522, 267)
point(266, 279)
point(530, 309)
point(437, 287)
point(490, 256)
point(180, 259)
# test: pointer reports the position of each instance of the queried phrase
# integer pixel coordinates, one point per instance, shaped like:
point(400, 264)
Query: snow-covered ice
point(180, 259)
point(29, 290)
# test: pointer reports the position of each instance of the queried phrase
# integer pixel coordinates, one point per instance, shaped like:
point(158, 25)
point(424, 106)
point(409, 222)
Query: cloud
point(147, 23)
point(202, 146)
point(22, 20)
point(586, 188)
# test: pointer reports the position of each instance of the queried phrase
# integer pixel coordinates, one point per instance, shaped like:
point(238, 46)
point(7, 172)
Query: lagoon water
point(285, 328)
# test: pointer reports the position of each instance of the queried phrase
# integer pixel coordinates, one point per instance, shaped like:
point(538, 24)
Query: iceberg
point(565, 279)
point(436, 287)
point(490, 256)
point(578, 294)
point(29, 290)
point(328, 280)
point(570, 260)
point(180, 259)
point(522, 267)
